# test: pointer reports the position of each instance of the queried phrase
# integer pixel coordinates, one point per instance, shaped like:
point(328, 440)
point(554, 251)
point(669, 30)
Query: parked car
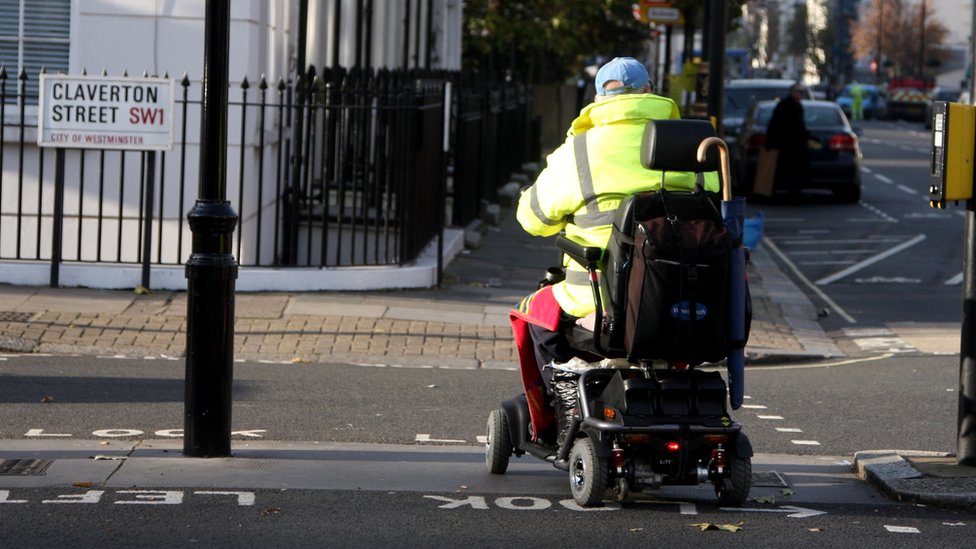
point(822, 91)
point(740, 94)
point(834, 166)
point(874, 103)
point(949, 95)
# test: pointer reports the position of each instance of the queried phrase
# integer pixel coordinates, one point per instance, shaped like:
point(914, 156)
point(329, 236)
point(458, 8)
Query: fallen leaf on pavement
point(787, 492)
point(141, 290)
point(300, 360)
point(724, 527)
point(47, 398)
point(84, 484)
point(765, 499)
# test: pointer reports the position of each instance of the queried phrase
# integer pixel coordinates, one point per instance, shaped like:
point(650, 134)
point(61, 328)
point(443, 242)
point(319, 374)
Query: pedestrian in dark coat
point(787, 132)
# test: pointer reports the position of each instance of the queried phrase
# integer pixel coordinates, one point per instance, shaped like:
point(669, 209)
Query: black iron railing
point(337, 168)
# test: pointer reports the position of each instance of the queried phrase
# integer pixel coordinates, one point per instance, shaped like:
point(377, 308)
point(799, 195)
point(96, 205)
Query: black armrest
point(584, 255)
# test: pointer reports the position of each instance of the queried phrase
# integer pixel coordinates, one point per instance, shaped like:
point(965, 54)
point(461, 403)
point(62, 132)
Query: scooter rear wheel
point(734, 490)
point(588, 473)
point(498, 447)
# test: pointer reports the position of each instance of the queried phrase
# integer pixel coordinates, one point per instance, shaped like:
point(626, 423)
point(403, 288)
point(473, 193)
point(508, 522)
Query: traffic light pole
point(966, 434)
point(211, 271)
point(716, 63)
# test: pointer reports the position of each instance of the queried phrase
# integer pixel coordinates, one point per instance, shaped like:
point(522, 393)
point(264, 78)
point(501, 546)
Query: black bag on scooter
point(676, 294)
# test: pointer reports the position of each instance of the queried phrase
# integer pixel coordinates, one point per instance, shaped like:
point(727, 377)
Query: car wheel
point(848, 195)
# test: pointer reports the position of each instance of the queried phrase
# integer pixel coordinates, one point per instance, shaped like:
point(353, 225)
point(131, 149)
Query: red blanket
point(540, 309)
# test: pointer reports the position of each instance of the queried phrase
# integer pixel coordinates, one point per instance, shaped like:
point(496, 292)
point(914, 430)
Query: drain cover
point(24, 466)
point(768, 479)
point(15, 316)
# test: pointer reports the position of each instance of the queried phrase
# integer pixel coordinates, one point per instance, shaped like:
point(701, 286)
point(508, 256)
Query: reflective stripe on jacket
point(587, 177)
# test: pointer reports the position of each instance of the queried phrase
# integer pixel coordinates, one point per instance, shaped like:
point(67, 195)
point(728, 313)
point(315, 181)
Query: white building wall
point(160, 37)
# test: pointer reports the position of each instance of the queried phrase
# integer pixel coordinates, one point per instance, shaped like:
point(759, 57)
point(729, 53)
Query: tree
point(544, 40)
point(796, 32)
point(905, 38)
point(547, 40)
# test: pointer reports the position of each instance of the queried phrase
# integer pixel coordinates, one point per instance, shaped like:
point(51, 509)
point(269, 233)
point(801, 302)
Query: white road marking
point(888, 280)
point(796, 271)
point(426, 438)
point(41, 433)
point(754, 406)
point(954, 280)
point(805, 442)
point(789, 430)
point(870, 261)
point(902, 529)
point(795, 512)
point(850, 262)
point(907, 189)
point(797, 242)
point(770, 417)
point(883, 179)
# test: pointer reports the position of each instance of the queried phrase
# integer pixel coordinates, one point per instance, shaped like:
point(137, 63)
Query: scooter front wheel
point(498, 446)
point(588, 473)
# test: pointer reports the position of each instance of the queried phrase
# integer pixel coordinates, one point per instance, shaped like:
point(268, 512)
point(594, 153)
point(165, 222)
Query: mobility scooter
point(665, 288)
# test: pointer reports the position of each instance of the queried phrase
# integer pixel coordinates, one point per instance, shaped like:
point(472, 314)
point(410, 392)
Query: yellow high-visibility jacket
point(587, 177)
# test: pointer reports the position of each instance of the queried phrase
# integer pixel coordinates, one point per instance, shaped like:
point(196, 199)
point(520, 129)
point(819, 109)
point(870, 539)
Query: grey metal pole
point(211, 271)
point(966, 429)
point(716, 63)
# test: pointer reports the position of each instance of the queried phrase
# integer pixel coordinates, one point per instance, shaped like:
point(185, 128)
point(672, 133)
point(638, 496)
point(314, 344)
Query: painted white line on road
point(789, 430)
point(41, 433)
point(902, 529)
point(851, 262)
point(794, 512)
point(907, 189)
point(830, 252)
point(841, 241)
point(877, 211)
point(754, 406)
point(954, 280)
point(770, 417)
point(870, 261)
point(805, 442)
point(866, 169)
point(796, 271)
point(426, 438)
point(883, 179)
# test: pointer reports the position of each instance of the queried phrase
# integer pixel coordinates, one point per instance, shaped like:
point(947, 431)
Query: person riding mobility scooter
point(633, 411)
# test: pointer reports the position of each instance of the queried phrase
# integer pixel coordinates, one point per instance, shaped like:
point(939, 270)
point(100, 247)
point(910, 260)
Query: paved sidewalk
point(463, 324)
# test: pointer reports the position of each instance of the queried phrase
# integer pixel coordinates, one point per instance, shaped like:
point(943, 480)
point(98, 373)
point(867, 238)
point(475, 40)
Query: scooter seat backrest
point(672, 146)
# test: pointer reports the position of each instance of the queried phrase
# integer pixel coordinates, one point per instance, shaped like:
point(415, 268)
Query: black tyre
point(849, 195)
point(498, 447)
point(588, 475)
point(734, 490)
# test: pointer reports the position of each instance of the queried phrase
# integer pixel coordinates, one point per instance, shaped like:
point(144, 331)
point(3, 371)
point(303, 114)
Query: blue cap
point(628, 70)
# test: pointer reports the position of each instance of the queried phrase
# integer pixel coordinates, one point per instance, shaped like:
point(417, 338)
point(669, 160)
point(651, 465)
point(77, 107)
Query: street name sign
point(97, 112)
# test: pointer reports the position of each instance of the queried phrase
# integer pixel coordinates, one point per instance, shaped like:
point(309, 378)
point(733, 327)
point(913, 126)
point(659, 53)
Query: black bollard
point(211, 271)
